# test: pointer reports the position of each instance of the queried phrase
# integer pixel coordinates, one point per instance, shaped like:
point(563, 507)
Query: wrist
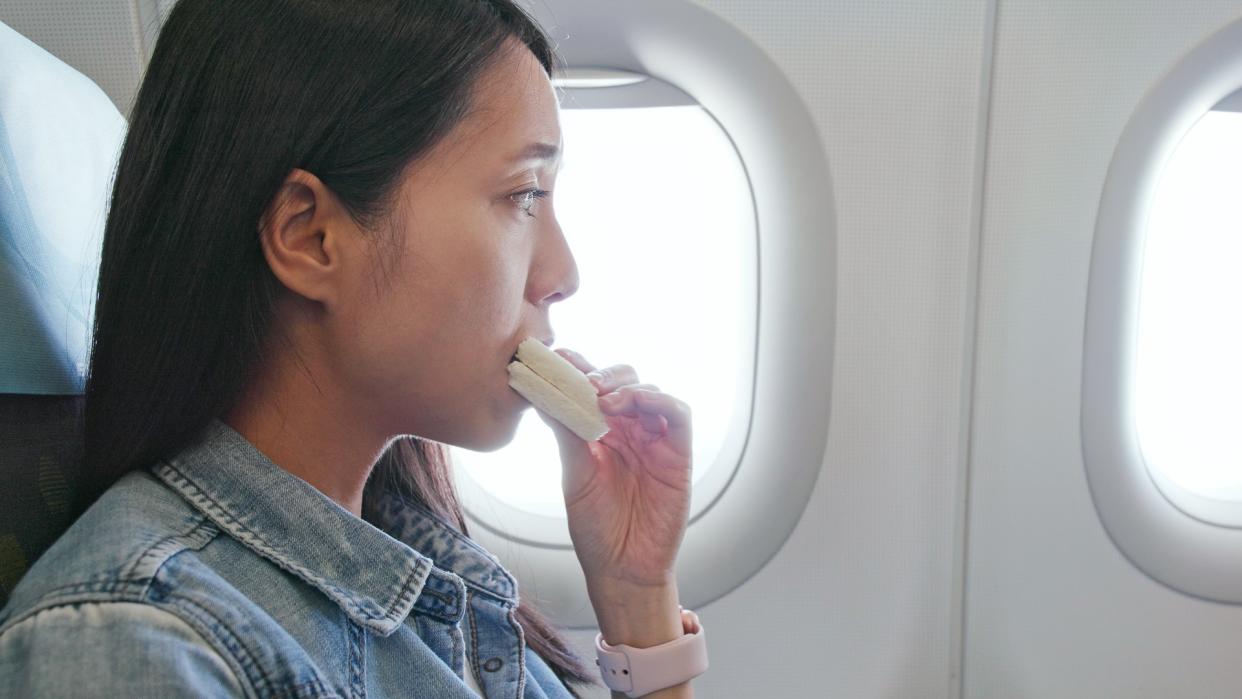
point(640, 616)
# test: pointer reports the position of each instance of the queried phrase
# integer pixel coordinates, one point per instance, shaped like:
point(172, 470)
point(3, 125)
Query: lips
point(547, 341)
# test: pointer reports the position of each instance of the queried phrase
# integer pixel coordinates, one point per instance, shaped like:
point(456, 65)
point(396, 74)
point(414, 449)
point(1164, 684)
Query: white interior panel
point(1053, 607)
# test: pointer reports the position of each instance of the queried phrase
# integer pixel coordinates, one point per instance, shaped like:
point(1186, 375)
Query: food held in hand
point(558, 388)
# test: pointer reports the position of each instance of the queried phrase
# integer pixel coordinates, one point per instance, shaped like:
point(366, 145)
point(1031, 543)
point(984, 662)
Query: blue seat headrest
point(60, 137)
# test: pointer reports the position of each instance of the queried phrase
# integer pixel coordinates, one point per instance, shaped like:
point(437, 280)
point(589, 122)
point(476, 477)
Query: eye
point(526, 199)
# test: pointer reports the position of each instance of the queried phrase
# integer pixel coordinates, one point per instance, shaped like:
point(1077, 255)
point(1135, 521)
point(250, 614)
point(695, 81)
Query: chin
point(491, 434)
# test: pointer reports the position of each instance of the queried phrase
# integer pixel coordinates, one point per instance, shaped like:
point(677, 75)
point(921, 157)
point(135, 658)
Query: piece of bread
point(558, 388)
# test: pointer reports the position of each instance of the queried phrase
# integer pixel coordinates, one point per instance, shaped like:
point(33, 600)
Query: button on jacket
point(219, 573)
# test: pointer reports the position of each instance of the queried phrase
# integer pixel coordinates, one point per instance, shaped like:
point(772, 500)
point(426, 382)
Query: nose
point(554, 273)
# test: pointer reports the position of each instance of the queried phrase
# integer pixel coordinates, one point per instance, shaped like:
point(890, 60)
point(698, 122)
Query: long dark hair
point(237, 94)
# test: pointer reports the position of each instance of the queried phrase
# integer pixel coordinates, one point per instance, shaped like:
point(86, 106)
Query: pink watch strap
point(639, 671)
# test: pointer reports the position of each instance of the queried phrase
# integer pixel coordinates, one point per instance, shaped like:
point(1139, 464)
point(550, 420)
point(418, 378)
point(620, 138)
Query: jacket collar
point(447, 547)
point(375, 579)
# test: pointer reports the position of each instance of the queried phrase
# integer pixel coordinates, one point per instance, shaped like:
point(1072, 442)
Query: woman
point(331, 227)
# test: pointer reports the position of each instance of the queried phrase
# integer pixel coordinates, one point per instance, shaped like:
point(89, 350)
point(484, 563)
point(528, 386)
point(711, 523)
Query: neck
point(308, 428)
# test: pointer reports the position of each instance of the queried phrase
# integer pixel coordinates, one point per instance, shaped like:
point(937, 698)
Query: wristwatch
point(640, 671)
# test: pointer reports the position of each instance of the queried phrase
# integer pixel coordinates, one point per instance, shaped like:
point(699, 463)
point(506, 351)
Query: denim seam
point(204, 635)
point(406, 596)
point(521, 651)
point(194, 616)
point(447, 600)
point(503, 600)
point(79, 593)
point(211, 626)
point(195, 538)
point(357, 660)
point(127, 584)
point(474, 645)
point(227, 643)
point(458, 650)
point(454, 603)
point(213, 509)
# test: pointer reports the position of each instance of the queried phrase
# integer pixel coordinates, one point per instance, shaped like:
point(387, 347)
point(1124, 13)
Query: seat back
point(41, 461)
point(59, 140)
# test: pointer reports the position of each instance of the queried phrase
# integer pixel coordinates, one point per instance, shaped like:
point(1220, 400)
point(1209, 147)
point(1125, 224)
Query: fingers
point(621, 394)
point(657, 411)
point(614, 377)
point(605, 380)
point(576, 359)
point(645, 398)
point(656, 424)
point(623, 401)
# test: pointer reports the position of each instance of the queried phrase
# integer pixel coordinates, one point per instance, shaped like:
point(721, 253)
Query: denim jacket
point(217, 573)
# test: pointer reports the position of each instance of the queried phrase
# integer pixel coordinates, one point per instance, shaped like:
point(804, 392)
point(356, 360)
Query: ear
point(303, 234)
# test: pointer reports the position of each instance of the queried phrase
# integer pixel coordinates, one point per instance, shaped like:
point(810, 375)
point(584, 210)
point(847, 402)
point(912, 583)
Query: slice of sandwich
point(558, 388)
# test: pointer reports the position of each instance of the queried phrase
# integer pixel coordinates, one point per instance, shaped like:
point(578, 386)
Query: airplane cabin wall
point(1053, 608)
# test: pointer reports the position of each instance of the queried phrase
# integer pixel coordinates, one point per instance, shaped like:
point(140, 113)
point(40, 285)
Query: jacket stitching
point(210, 506)
point(201, 620)
point(230, 645)
point(78, 593)
point(128, 584)
point(357, 661)
point(167, 547)
point(474, 645)
point(508, 583)
point(511, 615)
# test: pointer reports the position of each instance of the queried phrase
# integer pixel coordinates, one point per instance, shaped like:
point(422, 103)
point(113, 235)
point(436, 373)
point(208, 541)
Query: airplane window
point(1187, 378)
point(657, 207)
point(1160, 374)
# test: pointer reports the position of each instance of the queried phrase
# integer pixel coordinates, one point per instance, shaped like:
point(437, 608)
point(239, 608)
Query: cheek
point(439, 331)
point(464, 310)
point(493, 299)
point(463, 278)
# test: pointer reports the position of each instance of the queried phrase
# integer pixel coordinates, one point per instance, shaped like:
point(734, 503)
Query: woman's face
point(429, 323)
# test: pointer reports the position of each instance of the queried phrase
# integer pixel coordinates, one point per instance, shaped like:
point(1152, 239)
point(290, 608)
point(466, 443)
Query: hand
point(627, 496)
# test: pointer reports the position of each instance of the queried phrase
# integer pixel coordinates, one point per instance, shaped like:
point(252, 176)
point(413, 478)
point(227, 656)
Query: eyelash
point(525, 200)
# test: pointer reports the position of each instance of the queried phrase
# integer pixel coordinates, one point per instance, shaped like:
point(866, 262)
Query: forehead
point(514, 107)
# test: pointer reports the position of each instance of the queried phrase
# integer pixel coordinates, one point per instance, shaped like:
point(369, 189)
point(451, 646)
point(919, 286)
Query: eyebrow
point(538, 151)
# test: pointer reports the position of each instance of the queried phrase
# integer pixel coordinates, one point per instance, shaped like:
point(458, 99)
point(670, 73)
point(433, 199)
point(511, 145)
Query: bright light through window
point(1188, 382)
point(657, 209)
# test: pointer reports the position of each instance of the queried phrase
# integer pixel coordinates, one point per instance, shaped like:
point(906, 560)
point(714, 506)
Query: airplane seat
point(60, 136)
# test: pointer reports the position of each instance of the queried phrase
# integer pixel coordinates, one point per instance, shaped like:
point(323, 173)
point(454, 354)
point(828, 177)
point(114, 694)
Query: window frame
point(1139, 509)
